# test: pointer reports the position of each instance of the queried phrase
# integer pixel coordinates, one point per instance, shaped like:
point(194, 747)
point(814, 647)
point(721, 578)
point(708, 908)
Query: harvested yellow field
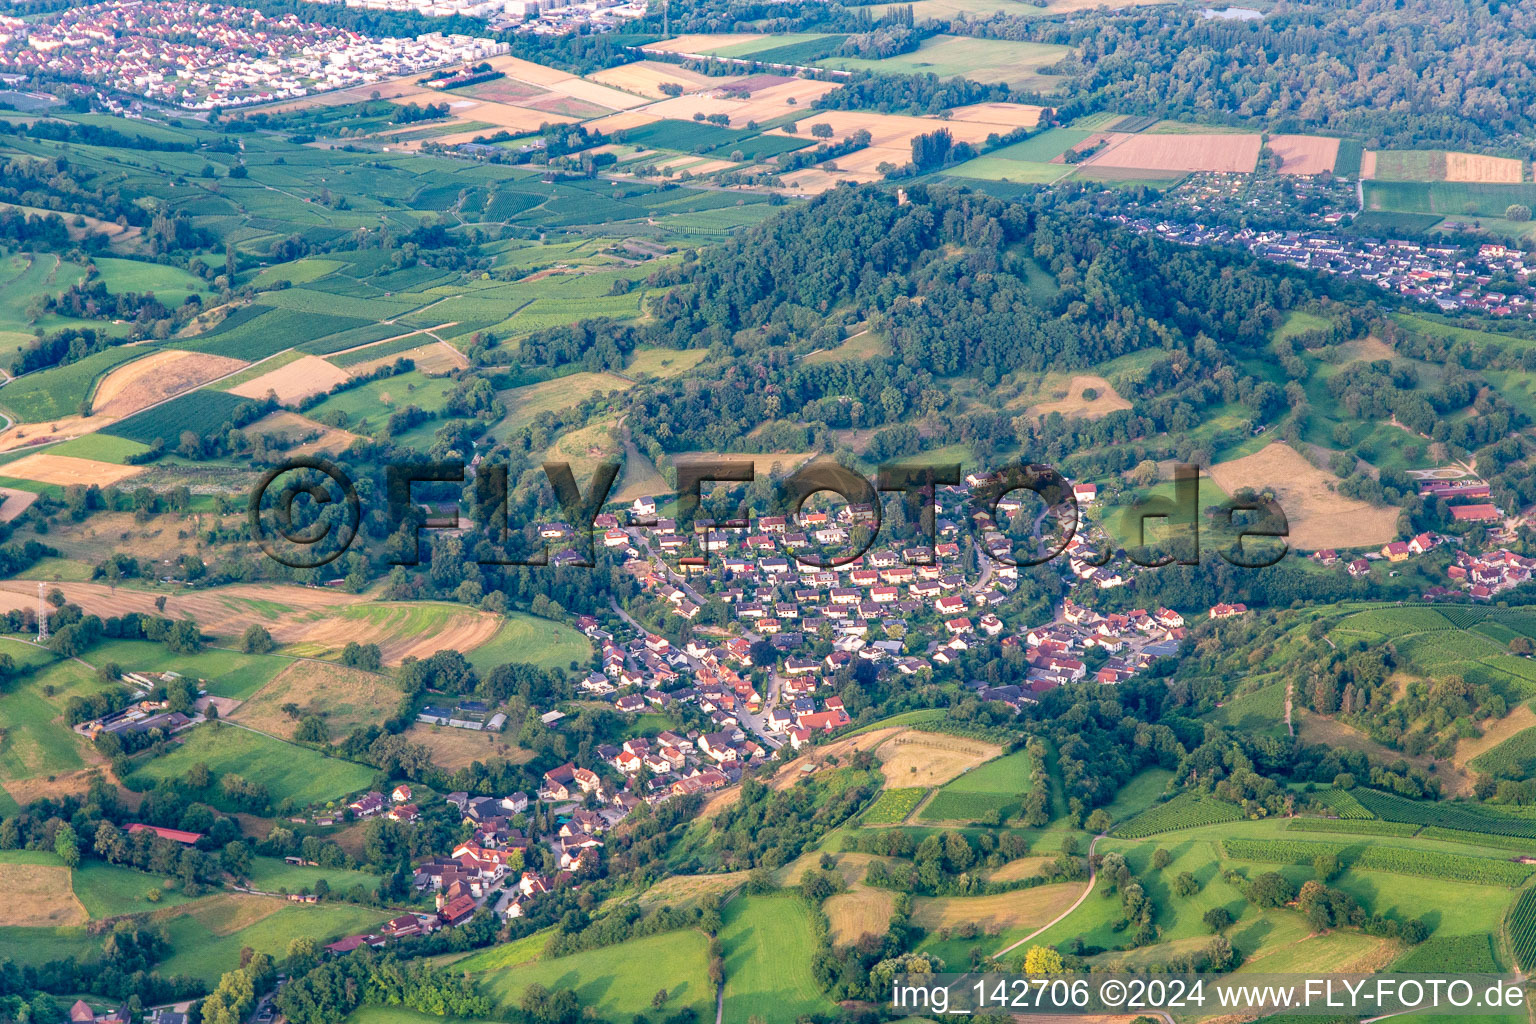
point(860, 911)
point(315, 620)
point(453, 749)
point(1484, 169)
point(432, 358)
point(344, 697)
point(700, 42)
point(1073, 399)
point(1147, 152)
point(848, 746)
point(1368, 164)
point(24, 435)
point(565, 83)
point(14, 502)
point(891, 138)
point(144, 382)
point(39, 896)
point(622, 121)
point(913, 758)
point(1004, 115)
point(812, 181)
point(1304, 154)
point(293, 382)
point(646, 77)
point(681, 890)
point(761, 104)
point(1024, 867)
point(1022, 908)
point(292, 426)
point(397, 632)
point(1318, 516)
point(66, 470)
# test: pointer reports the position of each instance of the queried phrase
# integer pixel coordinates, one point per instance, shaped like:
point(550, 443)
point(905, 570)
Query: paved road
point(1092, 875)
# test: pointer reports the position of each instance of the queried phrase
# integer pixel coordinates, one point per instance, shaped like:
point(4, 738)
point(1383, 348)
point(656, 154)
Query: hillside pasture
point(39, 895)
point(344, 697)
point(617, 982)
point(284, 428)
point(290, 773)
point(861, 910)
point(532, 641)
point(1073, 401)
point(524, 404)
point(768, 944)
point(1318, 516)
point(208, 942)
point(402, 630)
point(453, 749)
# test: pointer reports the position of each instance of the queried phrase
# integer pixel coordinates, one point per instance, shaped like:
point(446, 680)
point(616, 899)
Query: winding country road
point(1092, 875)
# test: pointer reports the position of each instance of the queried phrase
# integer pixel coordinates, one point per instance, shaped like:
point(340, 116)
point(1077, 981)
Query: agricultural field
point(293, 381)
point(525, 404)
point(201, 413)
point(767, 948)
point(1522, 929)
point(1425, 863)
point(1187, 810)
point(893, 806)
point(859, 911)
point(209, 935)
point(402, 630)
point(913, 757)
point(293, 775)
point(55, 394)
point(1220, 152)
point(993, 788)
point(532, 641)
point(618, 982)
point(1515, 758)
point(156, 377)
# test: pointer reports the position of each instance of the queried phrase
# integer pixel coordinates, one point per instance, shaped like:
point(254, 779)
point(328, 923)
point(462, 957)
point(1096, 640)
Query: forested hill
point(949, 273)
point(953, 285)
